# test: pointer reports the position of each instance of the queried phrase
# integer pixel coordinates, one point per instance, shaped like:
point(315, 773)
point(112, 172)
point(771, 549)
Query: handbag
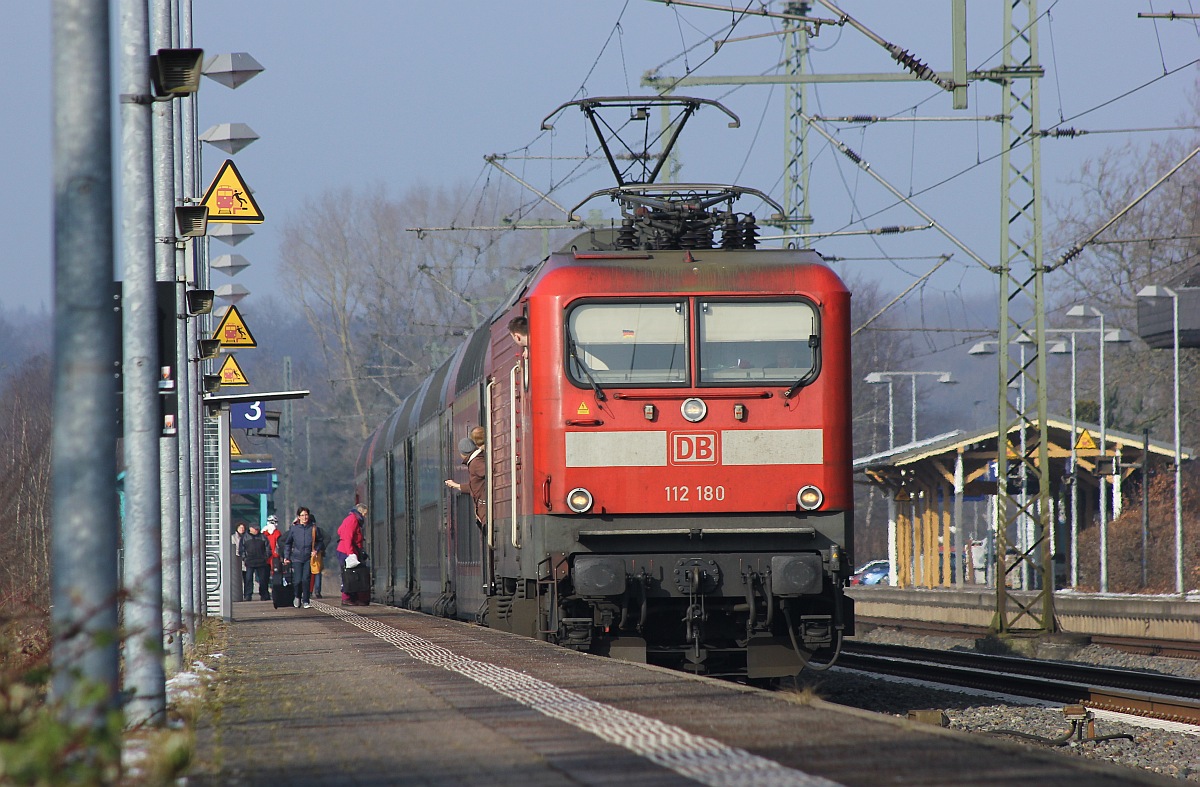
point(316, 563)
point(356, 580)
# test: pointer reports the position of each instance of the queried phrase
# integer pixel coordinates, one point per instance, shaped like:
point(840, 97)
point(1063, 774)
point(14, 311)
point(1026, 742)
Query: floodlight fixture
point(229, 264)
point(176, 72)
point(192, 220)
point(232, 69)
point(199, 301)
point(209, 348)
point(232, 293)
point(271, 425)
point(1154, 291)
point(212, 383)
point(232, 234)
point(229, 137)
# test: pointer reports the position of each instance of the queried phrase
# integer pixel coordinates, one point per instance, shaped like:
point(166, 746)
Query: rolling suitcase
point(282, 589)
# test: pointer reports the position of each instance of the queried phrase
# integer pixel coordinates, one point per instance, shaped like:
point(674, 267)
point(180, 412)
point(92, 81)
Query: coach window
point(624, 343)
point(756, 342)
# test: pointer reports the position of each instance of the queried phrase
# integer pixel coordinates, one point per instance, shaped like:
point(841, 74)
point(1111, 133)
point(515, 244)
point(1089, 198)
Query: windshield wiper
point(814, 343)
point(573, 350)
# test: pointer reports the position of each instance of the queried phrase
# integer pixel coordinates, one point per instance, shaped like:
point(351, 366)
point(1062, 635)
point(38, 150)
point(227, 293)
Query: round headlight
point(579, 500)
point(693, 410)
point(810, 497)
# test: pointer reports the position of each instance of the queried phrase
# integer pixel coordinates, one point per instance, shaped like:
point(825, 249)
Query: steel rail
point(1137, 693)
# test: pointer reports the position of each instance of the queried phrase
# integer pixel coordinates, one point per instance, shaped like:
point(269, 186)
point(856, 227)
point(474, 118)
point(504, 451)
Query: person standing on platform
point(256, 553)
point(351, 543)
point(239, 532)
point(300, 543)
point(272, 534)
point(317, 564)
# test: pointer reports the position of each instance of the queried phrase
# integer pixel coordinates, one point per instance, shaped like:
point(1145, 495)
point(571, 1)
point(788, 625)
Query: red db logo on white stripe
point(693, 448)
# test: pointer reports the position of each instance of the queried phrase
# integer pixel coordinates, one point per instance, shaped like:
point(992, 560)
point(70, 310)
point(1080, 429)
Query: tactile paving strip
point(704, 760)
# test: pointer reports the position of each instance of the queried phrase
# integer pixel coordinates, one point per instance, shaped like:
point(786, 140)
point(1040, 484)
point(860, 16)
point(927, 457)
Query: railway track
point(1150, 695)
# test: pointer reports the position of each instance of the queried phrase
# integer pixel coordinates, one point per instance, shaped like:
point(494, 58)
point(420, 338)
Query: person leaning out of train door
point(473, 458)
point(300, 543)
point(351, 543)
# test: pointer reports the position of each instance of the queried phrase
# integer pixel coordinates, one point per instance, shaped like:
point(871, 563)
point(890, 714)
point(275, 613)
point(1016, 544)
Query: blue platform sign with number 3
point(247, 415)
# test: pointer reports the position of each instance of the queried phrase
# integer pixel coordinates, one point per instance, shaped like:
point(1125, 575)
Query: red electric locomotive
point(668, 460)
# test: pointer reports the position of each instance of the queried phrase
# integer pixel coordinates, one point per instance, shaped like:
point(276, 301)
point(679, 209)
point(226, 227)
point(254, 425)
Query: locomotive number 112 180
point(687, 494)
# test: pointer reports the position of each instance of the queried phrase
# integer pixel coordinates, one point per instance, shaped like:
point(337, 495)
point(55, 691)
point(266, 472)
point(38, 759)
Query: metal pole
point(1179, 588)
point(144, 677)
point(83, 523)
point(891, 417)
point(1074, 473)
point(1100, 477)
point(166, 249)
point(914, 408)
point(187, 340)
point(1145, 499)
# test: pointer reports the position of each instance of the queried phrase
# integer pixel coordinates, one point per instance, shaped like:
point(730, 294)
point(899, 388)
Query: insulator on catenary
point(862, 118)
point(850, 154)
point(910, 61)
point(1062, 132)
point(890, 230)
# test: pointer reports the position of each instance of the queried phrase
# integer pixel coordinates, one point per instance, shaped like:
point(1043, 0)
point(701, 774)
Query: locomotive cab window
point(756, 342)
point(626, 343)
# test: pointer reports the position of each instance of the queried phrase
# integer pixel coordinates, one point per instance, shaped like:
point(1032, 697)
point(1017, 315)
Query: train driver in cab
point(518, 328)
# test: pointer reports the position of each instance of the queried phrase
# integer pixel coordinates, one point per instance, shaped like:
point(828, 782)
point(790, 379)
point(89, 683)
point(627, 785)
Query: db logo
point(694, 448)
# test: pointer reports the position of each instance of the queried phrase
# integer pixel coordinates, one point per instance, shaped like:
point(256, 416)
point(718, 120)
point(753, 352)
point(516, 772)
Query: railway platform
point(1170, 621)
point(379, 696)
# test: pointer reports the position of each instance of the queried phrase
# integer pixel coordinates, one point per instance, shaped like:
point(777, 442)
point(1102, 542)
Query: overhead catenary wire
point(1079, 246)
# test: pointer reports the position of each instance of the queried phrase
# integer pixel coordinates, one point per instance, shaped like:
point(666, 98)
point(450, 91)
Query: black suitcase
point(282, 590)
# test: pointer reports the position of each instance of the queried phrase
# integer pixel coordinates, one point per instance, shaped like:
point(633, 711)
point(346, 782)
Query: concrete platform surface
point(380, 696)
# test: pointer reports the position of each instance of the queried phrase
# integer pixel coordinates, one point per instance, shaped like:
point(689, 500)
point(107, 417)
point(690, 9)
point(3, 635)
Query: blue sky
point(410, 95)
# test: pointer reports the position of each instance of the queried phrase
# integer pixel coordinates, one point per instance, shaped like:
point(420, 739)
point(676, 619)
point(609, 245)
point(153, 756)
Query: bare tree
point(387, 305)
point(25, 484)
point(1155, 243)
point(877, 348)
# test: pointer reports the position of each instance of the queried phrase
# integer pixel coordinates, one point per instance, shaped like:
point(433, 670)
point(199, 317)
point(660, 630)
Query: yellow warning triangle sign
point(234, 448)
point(228, 199)
point(583, 409)
point(231, 373)
point(1086, 442)
point(232, 330)
point(1010, 452)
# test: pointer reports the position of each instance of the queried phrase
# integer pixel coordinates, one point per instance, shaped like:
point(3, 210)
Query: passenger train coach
point(668, 461)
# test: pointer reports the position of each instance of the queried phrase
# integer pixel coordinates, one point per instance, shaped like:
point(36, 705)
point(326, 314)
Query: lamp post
point(1154, 291)
point(1101, 478)
point(875, 378)
point(886, 377)
point(1119, 335)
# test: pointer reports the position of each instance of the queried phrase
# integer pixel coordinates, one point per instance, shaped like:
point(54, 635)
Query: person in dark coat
point(255, 551)
point(351, 542)
point(300, 543)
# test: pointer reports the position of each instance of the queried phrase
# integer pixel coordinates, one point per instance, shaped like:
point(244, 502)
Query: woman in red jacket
point(351, 544)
